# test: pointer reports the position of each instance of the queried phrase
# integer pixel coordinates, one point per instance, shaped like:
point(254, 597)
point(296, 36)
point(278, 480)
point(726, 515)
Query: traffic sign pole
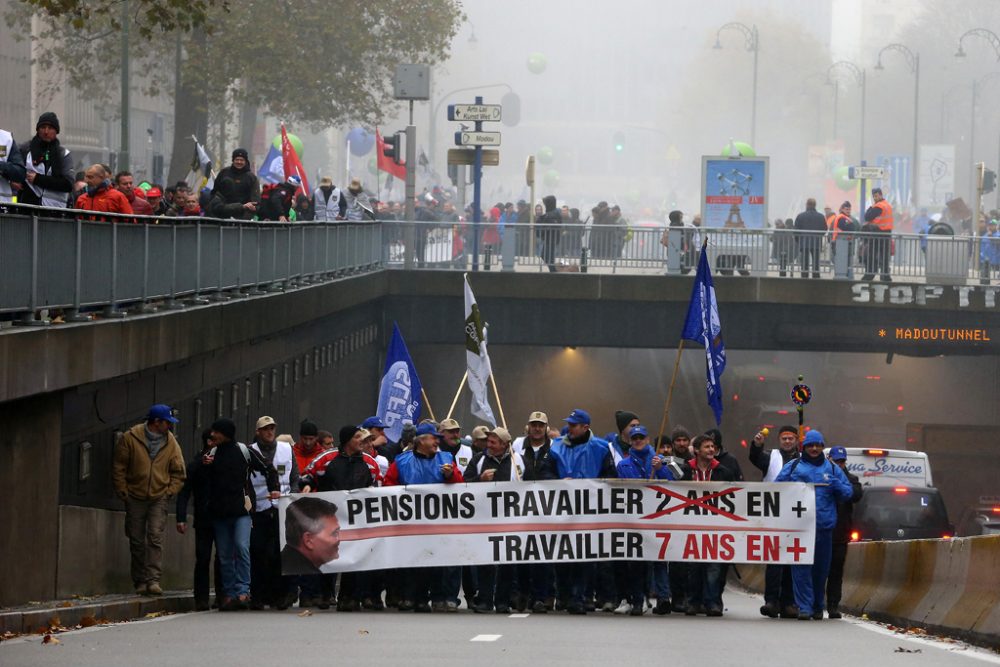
point(864, 188)
point(477, 179)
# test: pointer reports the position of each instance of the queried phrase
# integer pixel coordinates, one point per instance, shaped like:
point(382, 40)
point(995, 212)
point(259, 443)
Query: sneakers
point(636, 610)
point(694, 610)
point(662, 607)
point(625, 608)
point(438, 606)
point(451, 607)
point(482, 609)
point(804, 616)
point(608, 606)
point(818, 615)
point(833, 612)
point(503, 609)
point(770, 610)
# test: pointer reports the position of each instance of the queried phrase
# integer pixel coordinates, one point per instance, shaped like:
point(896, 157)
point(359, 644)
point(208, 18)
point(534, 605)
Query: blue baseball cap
point(161, 411)
point(373, 422)
point(638, 430)
point(427, 429)
point(838, 454)
point(578, 417)
point(813, 437)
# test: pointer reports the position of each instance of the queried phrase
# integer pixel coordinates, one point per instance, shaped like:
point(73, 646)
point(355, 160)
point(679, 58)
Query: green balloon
point(373, 166)
point(840, 177)
point(546, 155)
point(292, 139)
point(551, 178)
point(537, 63)
point(743, 148)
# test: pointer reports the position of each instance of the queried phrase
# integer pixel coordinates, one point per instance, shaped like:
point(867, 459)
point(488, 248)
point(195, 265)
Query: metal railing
point(76, 263)
point(67, 260)
point(748, 252)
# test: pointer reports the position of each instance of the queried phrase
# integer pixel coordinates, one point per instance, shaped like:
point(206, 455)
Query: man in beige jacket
point(148, 468)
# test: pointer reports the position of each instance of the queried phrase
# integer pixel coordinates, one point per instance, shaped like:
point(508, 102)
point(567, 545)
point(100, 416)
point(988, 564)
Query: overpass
point(240, 320)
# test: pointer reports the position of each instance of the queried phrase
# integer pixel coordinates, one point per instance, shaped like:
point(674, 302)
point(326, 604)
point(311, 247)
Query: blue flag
point(703, 326)
point(399, 396)
point(272, 169)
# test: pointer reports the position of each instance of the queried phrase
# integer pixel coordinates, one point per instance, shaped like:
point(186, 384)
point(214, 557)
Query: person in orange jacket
point(100, 195)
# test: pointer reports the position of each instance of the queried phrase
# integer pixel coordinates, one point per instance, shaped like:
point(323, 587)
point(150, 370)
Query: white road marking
point(485, 638)
point(519, 616)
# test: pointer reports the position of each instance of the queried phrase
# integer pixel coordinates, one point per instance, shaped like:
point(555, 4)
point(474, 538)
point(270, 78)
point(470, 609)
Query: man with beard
point(48, 166)
point(237, 191)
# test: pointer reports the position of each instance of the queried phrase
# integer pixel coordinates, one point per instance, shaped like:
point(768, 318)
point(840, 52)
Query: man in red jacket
point(99, 195)
point(125, 184)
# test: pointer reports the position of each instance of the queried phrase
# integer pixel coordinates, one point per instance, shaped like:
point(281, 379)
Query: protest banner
point(557, 521)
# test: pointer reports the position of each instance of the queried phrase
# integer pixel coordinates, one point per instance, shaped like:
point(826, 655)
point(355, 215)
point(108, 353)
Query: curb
point(39, 619)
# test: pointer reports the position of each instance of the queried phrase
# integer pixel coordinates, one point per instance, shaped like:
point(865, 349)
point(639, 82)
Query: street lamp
point(994, 41)
point(913, 62)
point(858, 75)
point(752, 42)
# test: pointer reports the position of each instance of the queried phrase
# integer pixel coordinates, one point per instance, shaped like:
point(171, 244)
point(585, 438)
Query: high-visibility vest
point(884, 220)
point(835, 225)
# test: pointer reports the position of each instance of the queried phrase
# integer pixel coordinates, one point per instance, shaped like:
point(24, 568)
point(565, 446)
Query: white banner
point(477, 358)
point(536, 522)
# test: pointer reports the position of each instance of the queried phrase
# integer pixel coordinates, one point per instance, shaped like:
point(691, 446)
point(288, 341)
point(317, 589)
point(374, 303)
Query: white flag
point(477, 357)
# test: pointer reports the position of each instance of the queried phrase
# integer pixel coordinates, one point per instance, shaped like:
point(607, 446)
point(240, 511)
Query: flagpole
point(427, 402)
point(670, 391)
point(457, 393)
point(496, 393)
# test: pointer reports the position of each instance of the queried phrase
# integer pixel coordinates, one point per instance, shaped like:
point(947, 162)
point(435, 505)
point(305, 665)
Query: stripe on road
point(485, 638)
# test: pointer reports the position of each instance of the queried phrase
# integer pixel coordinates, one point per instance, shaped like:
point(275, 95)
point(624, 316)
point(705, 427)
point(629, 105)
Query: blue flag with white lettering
point(703, 326)
point(399, 396)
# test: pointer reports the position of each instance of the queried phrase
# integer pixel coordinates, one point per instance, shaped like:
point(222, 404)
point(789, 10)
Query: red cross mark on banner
point(699, 502)
point(796, 549)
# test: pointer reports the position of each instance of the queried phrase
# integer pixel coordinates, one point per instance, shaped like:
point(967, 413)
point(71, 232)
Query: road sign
point(474, 112)
point(866, 173)
point(474, 138)
point(801, 394)
point(491, 157)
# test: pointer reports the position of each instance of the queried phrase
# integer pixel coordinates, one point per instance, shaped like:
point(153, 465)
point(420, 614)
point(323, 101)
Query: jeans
point(704, 584)
point(809, 581)
point(661, 581)
point(232, 540)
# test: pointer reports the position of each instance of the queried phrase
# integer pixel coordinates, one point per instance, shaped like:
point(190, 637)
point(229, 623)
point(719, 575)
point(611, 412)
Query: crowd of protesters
point(234, 488)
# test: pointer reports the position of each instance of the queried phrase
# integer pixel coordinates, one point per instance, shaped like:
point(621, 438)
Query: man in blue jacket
point(578, 455)
point(832, 487)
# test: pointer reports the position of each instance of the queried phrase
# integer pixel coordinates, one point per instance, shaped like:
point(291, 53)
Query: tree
point(320, 62)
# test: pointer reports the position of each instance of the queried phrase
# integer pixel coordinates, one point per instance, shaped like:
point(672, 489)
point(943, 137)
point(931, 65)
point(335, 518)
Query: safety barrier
point(951, 587)
point(77, 263)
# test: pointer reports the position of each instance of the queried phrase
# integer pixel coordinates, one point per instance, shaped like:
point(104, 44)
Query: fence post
point(143, 306)
point(172, 302)
point(219, 294)
point(111, 309)
point(28, 319)
point(197, 299)
point(74, 314)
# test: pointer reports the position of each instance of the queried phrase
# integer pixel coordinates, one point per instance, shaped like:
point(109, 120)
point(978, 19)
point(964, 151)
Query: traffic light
point(393, 147)
point(989, 181)
point(619, 141)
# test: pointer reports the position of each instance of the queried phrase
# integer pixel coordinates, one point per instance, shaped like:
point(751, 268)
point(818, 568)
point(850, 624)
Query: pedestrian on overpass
point(832, 486)
point(810, 226)
point(779, 598)
point(148, 468)
point(878, 221)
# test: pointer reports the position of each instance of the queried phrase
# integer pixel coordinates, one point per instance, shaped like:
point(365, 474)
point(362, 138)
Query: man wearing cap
point(451, 442)
point(230, 505)
point(276, 203)
point(423, 464)
point(578, 455)
point(536, 579)
point(48, 167)
point(154, 196)
point(478, 436)
point(148, 467)
point(498, 463)
point(330, 204)
point(237, 192)
point(267, 585)
point(841, 535)
point(778, 595)
point(832, 486)
point(376, 426)
point(878, 221)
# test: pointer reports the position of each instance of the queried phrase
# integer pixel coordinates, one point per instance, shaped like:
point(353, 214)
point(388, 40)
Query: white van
point(889, 467)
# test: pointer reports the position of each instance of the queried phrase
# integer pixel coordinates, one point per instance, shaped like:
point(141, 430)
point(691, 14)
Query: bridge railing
point(647, 249)
point(79, 261)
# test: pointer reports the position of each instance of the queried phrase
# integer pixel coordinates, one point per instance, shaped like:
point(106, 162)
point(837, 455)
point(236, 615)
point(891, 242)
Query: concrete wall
point(29, 477)
point(947, 586)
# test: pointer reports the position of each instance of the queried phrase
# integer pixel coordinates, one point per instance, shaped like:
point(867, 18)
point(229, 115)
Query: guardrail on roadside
point(77, 264)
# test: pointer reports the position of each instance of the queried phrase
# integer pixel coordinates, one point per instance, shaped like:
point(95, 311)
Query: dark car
point(901, 513)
